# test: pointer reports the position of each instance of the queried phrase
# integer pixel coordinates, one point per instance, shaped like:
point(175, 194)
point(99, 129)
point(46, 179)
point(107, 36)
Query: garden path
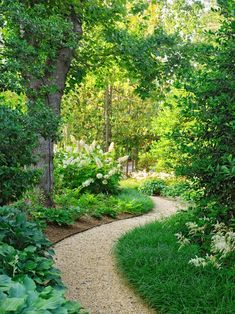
point(88, 267)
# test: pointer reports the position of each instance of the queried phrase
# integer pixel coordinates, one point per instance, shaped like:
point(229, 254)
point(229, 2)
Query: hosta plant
point(41, 269)
point(22, 297)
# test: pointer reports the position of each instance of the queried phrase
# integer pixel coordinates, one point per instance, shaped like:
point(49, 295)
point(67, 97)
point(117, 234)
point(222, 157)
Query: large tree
point(39, 42)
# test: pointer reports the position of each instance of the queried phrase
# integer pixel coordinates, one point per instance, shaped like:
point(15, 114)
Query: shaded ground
point(57, 233)
point(88, 267)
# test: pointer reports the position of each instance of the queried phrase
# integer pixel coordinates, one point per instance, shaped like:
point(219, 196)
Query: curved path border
point(88, 267)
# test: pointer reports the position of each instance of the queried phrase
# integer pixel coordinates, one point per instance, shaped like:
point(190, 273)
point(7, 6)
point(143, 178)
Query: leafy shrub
point(152, 187)
point(22, 297)
point(15, 262)
point(29, 282)
point(59, 216)
point(216, 240)
point(128, 201)
point(133, 202)
point(25, 249)
point(17, 141)
point(83, 168)
point(20, 233)
point(98, 205)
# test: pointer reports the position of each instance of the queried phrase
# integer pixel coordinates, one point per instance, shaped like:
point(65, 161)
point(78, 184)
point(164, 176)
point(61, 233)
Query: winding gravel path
point(88, 267)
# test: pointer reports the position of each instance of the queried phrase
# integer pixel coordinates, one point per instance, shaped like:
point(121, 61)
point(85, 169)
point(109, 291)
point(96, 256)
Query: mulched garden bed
point(57, 233)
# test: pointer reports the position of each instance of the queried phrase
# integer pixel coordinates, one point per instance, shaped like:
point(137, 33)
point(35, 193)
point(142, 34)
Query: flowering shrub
point(217, 242)
point(86, 168)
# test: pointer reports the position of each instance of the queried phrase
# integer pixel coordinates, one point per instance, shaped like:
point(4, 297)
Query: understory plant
point(215, 238)
point(22, 296)
point(29, 281)
point(152, 187)
point(169, 186)
point(17, 141)
point(97, 205)
point(163, 275)
point(84, 168)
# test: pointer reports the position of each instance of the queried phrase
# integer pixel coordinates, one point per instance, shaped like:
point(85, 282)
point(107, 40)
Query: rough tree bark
point(56, 79)
point(107, 115)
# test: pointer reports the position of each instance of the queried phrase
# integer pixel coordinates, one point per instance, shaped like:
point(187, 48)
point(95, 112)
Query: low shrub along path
point(88, 267)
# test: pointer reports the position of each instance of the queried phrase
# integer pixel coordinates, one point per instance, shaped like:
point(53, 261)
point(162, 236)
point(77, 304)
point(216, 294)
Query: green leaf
point(11, 304)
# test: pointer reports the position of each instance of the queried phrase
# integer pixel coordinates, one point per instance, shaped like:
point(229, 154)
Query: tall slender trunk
point(107, 117)
point(136, 157)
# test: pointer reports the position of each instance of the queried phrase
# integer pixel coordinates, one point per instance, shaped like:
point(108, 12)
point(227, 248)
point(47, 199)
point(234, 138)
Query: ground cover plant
point(127, 201)
point(176, 187)
point(160, 271)
point(97, 205)
point(29, 281)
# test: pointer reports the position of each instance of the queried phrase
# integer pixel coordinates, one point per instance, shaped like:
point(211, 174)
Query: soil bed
point(57, 233)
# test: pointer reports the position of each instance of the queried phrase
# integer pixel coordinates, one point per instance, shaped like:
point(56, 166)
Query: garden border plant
point(159, 270)
point(29, 281)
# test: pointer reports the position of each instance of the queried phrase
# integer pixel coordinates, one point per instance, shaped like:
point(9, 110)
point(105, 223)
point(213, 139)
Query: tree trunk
point(136, 157)
point(55, 79)
point(107, 116)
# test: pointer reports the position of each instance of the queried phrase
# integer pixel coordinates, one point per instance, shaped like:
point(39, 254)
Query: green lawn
point(150, 259)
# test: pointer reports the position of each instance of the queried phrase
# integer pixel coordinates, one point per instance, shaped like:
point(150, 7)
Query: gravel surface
point(88, 267)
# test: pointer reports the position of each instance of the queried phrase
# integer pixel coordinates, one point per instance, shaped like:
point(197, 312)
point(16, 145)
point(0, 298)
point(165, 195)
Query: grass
point(150, 259)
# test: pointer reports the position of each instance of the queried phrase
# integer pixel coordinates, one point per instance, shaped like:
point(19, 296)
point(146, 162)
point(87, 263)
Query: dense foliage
point(17, 141)
point(29, 281)
point(156, 77)
point(160, 272)
point(196, 132)
point(87, 168)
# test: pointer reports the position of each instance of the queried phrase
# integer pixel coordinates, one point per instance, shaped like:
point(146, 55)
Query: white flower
point(194, 228)
point(93, 145)
point(76, 150)
point(112, 172)
point(213, 260)
point(182, 240)
point(99, 176)
point(106, 176)
point(108, 160)
point(68, 161)
point(111, 147)
point(87, 148)
point(98, 162)
point(198, 261)
point(123, 159)
point(84, 162)
point(105, 182)
point(87, 182)
point(220, 227)
point(82, 143)
point(69, 149)
point(219, 243)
